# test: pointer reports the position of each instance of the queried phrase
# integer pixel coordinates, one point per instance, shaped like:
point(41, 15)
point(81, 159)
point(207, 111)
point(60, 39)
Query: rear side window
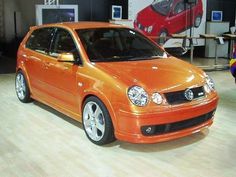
point(40, 40)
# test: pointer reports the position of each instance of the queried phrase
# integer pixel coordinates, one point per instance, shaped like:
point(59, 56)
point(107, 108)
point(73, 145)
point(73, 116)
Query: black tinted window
point(40, 40)
point(63, 43)
point(179, 7)
point(117, 44)
point(162, 6)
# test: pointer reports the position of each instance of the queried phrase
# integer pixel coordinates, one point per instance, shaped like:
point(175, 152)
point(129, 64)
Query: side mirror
point(177, 51)
point(66, 57)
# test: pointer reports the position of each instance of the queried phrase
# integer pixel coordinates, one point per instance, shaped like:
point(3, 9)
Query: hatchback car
point(114, 80)
point(166, 17)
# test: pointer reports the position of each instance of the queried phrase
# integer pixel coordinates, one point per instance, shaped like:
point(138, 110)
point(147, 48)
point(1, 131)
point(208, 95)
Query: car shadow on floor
point(58, 114)
point(145, 148)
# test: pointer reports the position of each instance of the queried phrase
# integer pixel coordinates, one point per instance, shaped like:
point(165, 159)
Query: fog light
point(148, 130)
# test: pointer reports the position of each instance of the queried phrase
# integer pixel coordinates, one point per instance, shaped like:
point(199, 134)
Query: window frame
point(77, 61)
point(38, 29)
point(94, 60)
point(178, 3)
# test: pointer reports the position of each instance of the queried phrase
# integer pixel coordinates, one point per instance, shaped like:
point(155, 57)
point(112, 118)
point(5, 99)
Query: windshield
point(162, 6)
point(118, 44)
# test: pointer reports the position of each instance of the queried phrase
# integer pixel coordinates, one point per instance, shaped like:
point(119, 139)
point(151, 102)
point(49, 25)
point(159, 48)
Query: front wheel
point(97, 122)
point(22, 88)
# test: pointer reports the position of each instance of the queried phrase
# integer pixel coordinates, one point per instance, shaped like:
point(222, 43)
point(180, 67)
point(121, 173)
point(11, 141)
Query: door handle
point(65, 68)
point(25, 56)
point(47, 64)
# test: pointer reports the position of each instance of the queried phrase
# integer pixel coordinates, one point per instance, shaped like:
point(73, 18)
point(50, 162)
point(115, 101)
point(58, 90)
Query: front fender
point(104, 99)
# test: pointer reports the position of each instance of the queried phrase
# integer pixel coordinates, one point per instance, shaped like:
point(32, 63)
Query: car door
point(60, 77)
point(34, 54)
point(177, 19)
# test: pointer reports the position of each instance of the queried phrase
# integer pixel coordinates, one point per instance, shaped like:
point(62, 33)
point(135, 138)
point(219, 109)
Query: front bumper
point(129, 125)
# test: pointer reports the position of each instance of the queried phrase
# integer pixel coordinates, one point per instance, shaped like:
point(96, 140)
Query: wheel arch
point(102, 97)
point(194, 23)
point(22, 69)
point(162, 40)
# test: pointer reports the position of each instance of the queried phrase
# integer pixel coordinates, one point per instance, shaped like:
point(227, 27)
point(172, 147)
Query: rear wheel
point(162, 37)
point(97, 122)
point(197, 21)
point(22, 88)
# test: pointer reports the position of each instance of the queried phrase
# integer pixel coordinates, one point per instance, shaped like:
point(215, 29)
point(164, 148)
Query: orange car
point(114, 80)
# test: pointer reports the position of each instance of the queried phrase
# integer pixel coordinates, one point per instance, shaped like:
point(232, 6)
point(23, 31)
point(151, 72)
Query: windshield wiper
point(128, 58)
point(120, 58)
point(159, 56)
point(113, 59)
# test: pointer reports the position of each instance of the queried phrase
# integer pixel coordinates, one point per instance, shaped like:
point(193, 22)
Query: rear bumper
point(129, 124)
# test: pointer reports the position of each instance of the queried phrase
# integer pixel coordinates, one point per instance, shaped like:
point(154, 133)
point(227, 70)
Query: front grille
point(178, 97)
point(176, 126)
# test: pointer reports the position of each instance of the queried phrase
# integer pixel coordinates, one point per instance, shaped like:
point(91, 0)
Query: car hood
point(162, 75)
point(148, 17)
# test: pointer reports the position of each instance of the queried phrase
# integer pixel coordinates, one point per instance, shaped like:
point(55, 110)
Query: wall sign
point(116, 12)
point(166, 17)
point(56, 13)
point(216, 16)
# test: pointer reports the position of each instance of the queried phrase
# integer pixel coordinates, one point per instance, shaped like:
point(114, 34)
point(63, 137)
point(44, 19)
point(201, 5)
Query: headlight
point(210, 82)
point(138, 96)
point(157, 98)
point(149, 29)
point(207, 88)
point(136, 19)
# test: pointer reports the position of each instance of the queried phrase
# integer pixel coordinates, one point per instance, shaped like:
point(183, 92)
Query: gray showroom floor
point(37, 141)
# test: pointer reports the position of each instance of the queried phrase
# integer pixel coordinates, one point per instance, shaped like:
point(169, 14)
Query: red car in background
point(165, 17)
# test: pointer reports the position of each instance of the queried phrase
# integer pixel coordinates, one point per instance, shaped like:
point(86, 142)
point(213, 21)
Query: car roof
point(80, 25)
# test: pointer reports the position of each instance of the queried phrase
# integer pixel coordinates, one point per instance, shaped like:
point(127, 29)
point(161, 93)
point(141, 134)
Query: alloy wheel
point(20, 86)
point(94, 121)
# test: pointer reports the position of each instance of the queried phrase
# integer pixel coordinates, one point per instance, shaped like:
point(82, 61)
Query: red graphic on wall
point(165, 17)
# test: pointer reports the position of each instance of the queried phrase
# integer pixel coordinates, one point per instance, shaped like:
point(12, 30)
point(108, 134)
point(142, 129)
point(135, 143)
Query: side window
point(63, 43)
point(179, 7)
point(194, 4)
point(40, 40)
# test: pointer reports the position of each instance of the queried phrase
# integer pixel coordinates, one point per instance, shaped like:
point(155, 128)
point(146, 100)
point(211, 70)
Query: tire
point(162, 36)
point(97, 122)
point(22, 88)
point(197, 21)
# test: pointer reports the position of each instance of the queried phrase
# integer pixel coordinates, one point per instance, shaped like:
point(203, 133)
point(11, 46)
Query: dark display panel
point(58, 15)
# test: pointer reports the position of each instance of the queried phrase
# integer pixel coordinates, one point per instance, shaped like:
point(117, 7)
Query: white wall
point(25, 10)
point(9, 8)
point(28, 13)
